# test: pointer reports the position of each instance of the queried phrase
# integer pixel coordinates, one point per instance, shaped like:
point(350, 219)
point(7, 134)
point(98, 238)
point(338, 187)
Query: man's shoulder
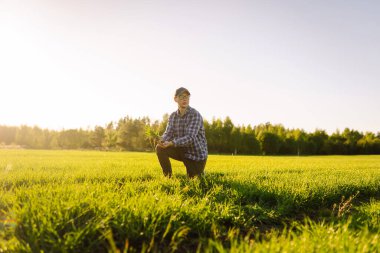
point(191, 111)
point(194, 112)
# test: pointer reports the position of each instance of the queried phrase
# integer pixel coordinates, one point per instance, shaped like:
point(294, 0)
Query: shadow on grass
point(271, 206)
point(232, 205)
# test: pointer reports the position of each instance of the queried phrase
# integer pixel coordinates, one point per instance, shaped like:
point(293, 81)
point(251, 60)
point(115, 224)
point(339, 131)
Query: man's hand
point(166, 144)
point(160, 143)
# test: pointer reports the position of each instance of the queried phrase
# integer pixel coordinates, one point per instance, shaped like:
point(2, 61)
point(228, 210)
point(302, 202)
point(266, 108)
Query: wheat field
point(92, 201)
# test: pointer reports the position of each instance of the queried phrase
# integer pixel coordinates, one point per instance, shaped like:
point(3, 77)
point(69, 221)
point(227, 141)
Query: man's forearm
point(184, 141)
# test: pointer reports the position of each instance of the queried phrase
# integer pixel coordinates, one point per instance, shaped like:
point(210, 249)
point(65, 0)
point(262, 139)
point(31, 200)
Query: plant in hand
point(153, 136)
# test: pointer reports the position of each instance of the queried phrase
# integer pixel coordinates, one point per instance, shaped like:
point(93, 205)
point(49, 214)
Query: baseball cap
point(181, 90)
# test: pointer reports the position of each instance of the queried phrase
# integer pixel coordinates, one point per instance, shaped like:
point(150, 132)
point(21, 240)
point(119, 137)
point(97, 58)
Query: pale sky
point(304, 64)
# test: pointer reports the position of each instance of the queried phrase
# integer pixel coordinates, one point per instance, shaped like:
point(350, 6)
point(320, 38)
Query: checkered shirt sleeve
point(188, 132)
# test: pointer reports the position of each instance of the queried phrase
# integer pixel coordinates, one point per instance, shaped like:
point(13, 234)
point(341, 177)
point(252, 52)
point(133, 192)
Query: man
point(184, 138)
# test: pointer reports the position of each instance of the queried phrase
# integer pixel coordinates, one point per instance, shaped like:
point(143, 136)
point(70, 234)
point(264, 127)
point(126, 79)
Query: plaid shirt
point(188, 132)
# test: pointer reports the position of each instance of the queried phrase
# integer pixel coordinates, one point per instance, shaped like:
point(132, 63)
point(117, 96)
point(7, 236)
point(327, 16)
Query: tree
point(270, 143)
point(222, 137)
point(7, 134)
point(226, 136)
point(131, 134)
point(352, 137)
point(214, 134)
point(369, 144)
point(24, 136)
point(289, 146)
point(236, 140)
point(319, 140)
point(97, 137)
point(250, 144)
point(110, 136)
point(73, 139)
point(335, 144)
point(122, 130)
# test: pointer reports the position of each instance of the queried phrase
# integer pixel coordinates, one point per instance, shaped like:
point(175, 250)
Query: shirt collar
point(187, 110)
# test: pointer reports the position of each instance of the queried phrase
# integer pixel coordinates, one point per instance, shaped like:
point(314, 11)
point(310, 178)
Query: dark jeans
point(193, 168)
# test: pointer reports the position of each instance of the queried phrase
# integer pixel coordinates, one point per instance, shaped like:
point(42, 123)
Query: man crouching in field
point(184, 138)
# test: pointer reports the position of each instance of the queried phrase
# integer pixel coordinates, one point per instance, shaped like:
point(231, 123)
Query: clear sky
point(304, 64)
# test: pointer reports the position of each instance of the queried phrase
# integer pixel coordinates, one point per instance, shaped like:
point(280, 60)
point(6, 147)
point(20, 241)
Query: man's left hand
point(167, 144)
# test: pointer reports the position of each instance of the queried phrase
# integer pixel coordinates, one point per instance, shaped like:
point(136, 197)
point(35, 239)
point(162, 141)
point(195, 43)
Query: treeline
point(222, 135)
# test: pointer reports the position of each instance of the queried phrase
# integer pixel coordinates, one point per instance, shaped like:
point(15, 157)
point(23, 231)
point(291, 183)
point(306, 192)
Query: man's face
point(182, 100)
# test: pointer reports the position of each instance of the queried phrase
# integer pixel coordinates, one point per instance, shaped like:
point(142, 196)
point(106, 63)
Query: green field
point(89, 201)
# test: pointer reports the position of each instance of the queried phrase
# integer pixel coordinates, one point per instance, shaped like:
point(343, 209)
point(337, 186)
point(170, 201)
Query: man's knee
point(195, 168)
point(159, 149)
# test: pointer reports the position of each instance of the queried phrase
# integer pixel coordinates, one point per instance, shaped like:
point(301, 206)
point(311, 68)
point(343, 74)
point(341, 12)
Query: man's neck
point(182, 110)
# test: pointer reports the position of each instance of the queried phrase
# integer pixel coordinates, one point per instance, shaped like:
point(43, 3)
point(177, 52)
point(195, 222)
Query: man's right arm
point(168, 135)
